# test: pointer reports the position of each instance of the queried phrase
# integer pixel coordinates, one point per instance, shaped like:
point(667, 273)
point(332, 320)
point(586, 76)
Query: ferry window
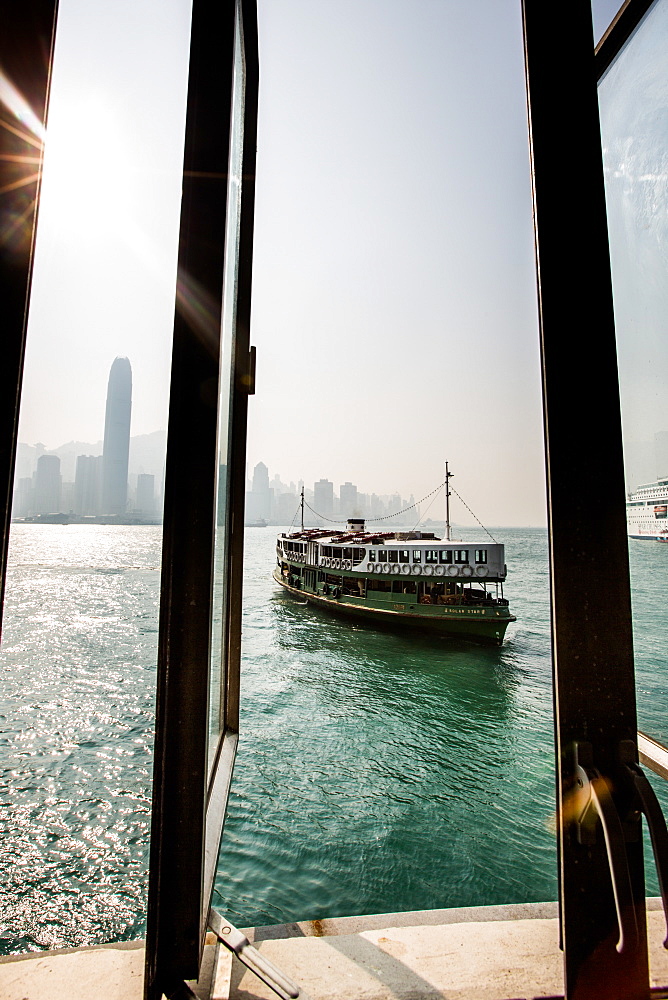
point(404, 555)
point(417, 555)
point(445, 556)
point(392, 556)
point(347, 553)
point(431, 556)
point(397, 587)
point(461, 555)
point(481, 555)
point(408, 586)
point(382, 555)
point(372, 555)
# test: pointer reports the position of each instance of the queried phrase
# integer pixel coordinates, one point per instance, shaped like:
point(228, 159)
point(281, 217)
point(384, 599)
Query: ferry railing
point(653, 754)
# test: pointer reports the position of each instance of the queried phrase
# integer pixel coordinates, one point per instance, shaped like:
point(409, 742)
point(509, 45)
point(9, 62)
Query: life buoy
point(386, 568)
point(337, 564)
point(439, 570)
point(347, 564)
point(378, 568)
point(481, 571)
point(417, 570)
point(405, 569)
point(453, 571)
point(396, 568)
point(428, 570)
point(370, 567)
point(466, 571)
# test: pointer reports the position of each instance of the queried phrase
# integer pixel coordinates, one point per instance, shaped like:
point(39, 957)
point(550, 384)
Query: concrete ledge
point(336, 926)
point(108, 972)
point(471, 953)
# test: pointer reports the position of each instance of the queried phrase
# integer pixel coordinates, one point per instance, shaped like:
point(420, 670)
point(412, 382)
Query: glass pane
point(219, 615)
point(81, 620)
point(633, 98)
point(394, 317)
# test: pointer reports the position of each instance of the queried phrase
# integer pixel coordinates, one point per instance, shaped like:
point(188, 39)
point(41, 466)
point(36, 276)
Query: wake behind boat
point(411, 579)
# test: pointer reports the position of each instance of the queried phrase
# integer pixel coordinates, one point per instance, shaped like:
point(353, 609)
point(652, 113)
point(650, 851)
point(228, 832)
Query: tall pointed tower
point(117, 439)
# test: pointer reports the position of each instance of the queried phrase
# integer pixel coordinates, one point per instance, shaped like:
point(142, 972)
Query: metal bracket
point(648, 804)
point(593, 803)
point(265, 970)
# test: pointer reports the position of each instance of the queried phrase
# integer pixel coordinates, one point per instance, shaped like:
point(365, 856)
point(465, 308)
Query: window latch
point(236, 942)
point(593, 802)
point(248, 376)
point(648, 804)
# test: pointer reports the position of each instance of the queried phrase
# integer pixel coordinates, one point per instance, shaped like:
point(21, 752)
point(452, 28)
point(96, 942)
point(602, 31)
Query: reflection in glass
point(633, 98)
point(217, 677)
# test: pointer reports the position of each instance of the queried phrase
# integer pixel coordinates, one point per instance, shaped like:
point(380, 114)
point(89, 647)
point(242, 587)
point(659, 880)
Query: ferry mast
point(448, 477)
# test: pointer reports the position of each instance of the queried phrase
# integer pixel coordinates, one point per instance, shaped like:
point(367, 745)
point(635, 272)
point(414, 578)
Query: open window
point(600, 790)
point(197, 707)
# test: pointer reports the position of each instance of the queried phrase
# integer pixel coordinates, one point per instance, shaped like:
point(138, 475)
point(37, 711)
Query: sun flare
point(86, 189)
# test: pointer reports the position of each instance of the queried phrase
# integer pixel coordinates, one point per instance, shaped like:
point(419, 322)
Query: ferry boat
point(647, 511)
point(409, 579)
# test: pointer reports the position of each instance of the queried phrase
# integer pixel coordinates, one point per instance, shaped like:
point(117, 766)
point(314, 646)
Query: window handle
point(265, 970)
point(658, 832)
point(593, 802)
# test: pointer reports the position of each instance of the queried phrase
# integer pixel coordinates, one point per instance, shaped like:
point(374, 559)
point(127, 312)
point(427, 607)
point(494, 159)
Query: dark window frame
point(188, 802)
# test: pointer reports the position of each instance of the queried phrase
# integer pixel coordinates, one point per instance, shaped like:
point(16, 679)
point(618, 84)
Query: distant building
point(117, 439)
point(87, 485)
point(348, 504)
point(287, 506)
point(323, 498)
point(46, 497)
point(258, 501)
point(145, 493)
point(23, 495)
point(260, 478)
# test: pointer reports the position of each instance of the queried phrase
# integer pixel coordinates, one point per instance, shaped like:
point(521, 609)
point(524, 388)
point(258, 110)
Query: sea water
point(377, 771)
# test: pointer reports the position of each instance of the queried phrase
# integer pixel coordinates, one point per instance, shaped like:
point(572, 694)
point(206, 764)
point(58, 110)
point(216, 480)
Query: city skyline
point(100, 484)
point(278, 502)
point(395, 292)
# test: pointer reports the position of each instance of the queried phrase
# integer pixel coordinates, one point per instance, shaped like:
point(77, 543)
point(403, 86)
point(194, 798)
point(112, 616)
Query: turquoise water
point(376, 772)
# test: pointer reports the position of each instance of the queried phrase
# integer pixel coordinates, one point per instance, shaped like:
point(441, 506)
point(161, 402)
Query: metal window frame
point(618, 32)
point(188, 807)
point(26, 58)
point(592, 640)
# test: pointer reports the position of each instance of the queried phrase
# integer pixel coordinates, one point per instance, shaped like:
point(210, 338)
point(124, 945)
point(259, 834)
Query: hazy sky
point(394, 308)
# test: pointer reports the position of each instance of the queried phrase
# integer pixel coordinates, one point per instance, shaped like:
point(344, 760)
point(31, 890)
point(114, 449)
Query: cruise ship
point(647, 511)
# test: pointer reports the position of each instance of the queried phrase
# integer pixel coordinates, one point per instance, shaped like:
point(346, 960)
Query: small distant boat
point(410, 579)
point(259, 522)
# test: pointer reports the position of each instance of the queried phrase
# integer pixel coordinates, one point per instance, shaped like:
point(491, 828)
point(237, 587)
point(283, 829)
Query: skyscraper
point(145, 493)
point(87, 484)
point(258, 501)
point(348, 498)
point(117, 438)
point(323, 498)
point(47, 485)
